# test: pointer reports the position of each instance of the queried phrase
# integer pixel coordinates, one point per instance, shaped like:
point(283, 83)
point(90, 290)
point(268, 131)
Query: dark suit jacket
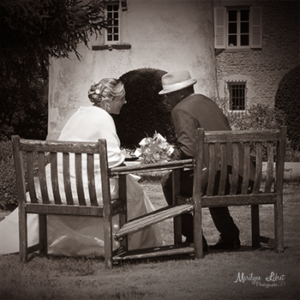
point(199, 111)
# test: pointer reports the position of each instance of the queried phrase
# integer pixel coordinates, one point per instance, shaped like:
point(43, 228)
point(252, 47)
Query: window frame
point(106, 33)
point(230, 102)
point(238, 22)
point(221, 27)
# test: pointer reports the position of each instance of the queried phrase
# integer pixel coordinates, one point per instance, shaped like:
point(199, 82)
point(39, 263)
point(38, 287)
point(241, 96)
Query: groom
point(189, 112)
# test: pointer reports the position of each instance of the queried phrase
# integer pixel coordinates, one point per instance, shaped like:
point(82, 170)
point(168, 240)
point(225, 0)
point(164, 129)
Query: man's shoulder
point(193, 102)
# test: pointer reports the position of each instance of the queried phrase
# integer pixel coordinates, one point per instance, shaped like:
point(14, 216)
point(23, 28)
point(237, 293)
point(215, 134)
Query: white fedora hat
point(175, 81)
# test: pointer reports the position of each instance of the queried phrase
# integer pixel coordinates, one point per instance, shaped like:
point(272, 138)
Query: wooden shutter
point(220, 27)
point(256, 27)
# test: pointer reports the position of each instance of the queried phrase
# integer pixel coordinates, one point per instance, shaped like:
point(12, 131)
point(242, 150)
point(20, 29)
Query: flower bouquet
point(154, 149)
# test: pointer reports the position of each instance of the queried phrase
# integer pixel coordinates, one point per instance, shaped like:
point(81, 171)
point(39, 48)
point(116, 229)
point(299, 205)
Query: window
point(113, 23)
point(238, 27)
point(237, 96)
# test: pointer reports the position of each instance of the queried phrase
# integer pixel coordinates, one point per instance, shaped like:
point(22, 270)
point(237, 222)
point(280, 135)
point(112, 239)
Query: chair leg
point(278, 212)
point(23, 242)
point(198, 241)
point(43, 234)
point(255, 226)
point(177, 220)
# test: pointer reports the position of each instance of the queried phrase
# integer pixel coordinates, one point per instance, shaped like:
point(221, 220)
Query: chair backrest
point(60, 158)
point(233, 152)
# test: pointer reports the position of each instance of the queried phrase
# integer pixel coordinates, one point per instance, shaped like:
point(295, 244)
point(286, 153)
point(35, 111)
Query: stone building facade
point(237, 50)
point(261, 68)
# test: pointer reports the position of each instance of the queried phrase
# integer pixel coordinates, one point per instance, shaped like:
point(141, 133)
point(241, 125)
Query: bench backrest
point(234, 152)
point(55, 155)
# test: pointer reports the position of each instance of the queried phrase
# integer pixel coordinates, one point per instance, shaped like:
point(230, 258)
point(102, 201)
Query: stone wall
point(264, 68)
point(170, 35)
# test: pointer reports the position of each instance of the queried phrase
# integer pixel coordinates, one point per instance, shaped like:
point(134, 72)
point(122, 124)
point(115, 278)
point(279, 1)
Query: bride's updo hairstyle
point(103, 92)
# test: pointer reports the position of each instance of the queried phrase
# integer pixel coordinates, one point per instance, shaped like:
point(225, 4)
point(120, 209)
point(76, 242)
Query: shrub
point(145, 111)
point(259, 117)
point(8, 190)
point(287, 99)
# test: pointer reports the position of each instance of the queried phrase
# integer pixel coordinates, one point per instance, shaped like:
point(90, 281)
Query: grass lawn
point(244, 274)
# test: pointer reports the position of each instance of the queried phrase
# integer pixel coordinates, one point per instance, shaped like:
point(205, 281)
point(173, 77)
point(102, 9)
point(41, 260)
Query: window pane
point(244, 27)
point(244, 15)
point(109, 7)
point(116, 22)
point(116, 7)
point(116, 37)
point(116, 30)
point(232, 28)
point(109, 38)
point(116, 15)
point(109, 15)
point(237, 96)
point(109, 22)
point(232, 15)
point(232, 40)
point(109, 30)
point(244, 40)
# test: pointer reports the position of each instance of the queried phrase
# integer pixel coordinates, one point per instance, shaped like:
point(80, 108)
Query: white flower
point(159, 138)
point(138, 152)
point(170, 150)
point(97, 91)
point(145, 142)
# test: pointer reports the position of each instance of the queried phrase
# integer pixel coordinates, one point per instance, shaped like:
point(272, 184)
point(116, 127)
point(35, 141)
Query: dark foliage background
point(31, 32)
point(287, 99)
point(145, 111)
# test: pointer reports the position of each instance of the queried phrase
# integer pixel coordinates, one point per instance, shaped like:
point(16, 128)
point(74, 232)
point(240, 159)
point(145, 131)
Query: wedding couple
point(71, 236)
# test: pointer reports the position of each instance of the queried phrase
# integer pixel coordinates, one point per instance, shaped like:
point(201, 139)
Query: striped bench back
point(53, 155)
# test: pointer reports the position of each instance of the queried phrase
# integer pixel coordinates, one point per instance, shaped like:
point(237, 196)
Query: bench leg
point(255, 226)
point(198, 241)
point(177, 220)
point(278, 228)
point(23, 242)
point(43, 239)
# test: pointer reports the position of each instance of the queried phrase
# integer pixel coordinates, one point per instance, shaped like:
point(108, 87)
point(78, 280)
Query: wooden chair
point(222, 148)
point(48, 151)
point(40, 153)
point(221, 142)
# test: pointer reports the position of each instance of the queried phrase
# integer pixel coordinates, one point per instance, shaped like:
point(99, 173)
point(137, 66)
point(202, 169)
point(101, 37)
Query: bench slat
point(224, 171)
point(270, 168)
point(247, 162)
point(241, 136)
point(235, 169)
point(54, 178)
point(211, 169)
point(67, 180)
point(78, 175)
point(91, 179)
point(258, 171)
point(42, 177)
point(30, 177)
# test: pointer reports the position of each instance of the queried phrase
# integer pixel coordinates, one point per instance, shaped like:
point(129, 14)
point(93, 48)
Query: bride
point(75, 235)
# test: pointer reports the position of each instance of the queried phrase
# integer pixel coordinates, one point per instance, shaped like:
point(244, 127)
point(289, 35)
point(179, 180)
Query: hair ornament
point(97, 91)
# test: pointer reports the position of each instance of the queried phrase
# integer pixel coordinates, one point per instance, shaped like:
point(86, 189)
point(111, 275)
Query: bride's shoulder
point(96, 114)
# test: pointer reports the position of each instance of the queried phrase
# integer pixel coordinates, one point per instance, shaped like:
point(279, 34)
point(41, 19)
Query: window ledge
point(111, 47)
point(241, 49)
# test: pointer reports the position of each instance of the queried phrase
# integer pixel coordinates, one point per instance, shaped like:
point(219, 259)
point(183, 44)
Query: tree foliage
point(30, 32)
point(33, 30)
point(287, 99)
point(145, 111)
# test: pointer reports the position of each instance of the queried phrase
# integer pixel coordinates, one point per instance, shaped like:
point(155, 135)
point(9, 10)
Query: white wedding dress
point(73, 235)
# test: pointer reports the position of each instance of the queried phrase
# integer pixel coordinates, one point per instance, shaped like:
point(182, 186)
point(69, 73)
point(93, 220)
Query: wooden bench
point(223, 140)
point(220, 146)
point(49, 151)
